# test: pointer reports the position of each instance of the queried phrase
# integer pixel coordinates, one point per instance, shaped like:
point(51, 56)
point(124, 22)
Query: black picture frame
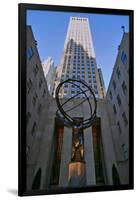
point(22, 9)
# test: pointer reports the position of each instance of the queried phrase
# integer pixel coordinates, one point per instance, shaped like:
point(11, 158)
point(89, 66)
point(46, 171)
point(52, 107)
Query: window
point(124, 118)
point(119, 127)
point(124, 88)
point(118, 100)
point(96, 92)
point(29, 85)
point(28, 117)
point(62, 76)
point(114, 109)
point(94, 80)
point(66, 86)
point(40, 83)
point(30, 53)
point(73, 86)
point(118, 73)
point(93, 69)
point(114, 84)
point(88, 64)
point(73, 76)
point(34, 99)
point(95, 87)
point(110, 95)
point(78, 77)
point(44, 93)
point(125, 151)
point(35, 70)
point(33, 131)
point(124, 58)
point(39, 108)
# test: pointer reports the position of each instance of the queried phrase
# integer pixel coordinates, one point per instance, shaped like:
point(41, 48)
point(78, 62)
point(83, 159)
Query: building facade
point(50, 73)
point(78, 60)
point(37, 100)
point(118, 95)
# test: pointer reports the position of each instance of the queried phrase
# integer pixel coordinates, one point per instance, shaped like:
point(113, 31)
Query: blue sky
point(50, 30)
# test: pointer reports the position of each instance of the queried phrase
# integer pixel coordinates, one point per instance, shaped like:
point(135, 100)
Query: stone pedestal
point(77, 174)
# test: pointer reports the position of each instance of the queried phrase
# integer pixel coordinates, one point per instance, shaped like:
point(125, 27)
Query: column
point(89, 157)
point(65, 157)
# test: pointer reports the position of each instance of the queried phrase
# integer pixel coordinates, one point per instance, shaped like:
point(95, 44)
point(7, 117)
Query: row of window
point(124, 147)
point(79, 67)
point(78, 51)
point(28, 116)
point(70, 54)
point(77, 91)
point(79, 59)
point(63, 77)
point(78, 85)
point(79, 48)
point(82, 71)
point(76, 88)
point(79, 56)
point(119, 103)
point(79, 40)
point(124, 117)
point(78, 75)
point(29, 84)
point(35, 97)
point(74, 63)
point(79, 19)
point(34, 126)
point(124, 88)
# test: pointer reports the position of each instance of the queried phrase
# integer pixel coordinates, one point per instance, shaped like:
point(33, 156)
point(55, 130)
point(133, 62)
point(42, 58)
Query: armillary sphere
point(87, 95)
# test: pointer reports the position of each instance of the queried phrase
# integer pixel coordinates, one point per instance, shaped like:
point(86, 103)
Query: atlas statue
point(77, 124)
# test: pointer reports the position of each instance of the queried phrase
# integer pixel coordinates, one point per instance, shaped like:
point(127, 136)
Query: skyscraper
point(78, 60)
point(49, 72)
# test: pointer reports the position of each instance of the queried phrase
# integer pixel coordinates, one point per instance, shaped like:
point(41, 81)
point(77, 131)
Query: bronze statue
point(77, 142)
point(78, 125)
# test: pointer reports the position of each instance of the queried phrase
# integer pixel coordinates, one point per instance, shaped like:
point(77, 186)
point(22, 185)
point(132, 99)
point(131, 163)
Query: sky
point(50, 29)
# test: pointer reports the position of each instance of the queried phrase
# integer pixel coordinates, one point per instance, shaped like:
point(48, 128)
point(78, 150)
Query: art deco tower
point(78, 59)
